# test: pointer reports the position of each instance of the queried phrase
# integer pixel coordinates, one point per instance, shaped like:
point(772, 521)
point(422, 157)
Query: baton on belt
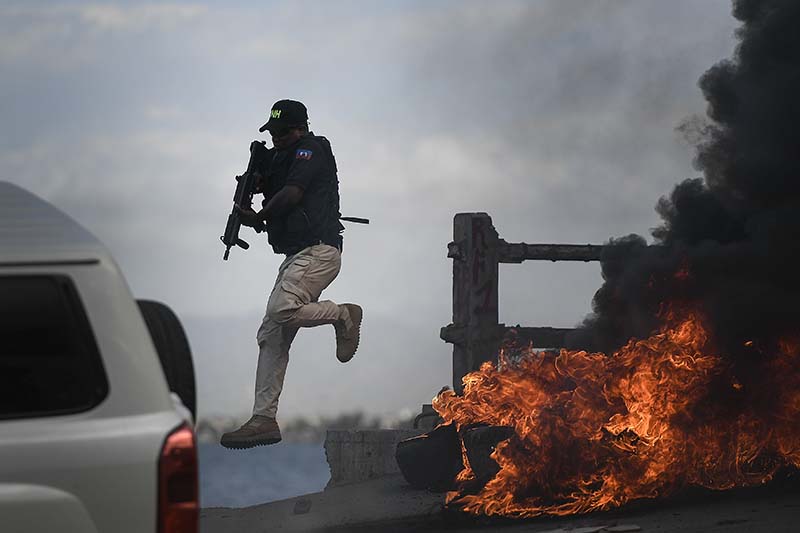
point(357, 220)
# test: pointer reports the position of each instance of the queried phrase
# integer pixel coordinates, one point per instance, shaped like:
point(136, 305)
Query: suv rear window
point(49, 361)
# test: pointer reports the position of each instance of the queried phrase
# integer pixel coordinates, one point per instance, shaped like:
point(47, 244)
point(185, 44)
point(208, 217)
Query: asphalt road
point(389, 505)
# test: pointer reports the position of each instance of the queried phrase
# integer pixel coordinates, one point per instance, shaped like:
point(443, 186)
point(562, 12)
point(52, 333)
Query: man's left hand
point(248, 217)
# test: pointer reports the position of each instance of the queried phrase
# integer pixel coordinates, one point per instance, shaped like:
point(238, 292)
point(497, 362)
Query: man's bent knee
point(282, 317)
point(269, 333)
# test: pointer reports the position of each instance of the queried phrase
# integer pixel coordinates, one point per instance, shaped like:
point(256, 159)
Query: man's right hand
point(248, 217)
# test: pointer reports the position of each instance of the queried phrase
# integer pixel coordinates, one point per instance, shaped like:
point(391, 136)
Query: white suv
point(91, 438)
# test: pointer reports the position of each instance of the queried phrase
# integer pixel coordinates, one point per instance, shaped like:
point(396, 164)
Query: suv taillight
point(178, 505)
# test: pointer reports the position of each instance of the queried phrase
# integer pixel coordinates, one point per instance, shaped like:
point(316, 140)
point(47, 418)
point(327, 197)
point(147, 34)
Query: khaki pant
point(293, 304)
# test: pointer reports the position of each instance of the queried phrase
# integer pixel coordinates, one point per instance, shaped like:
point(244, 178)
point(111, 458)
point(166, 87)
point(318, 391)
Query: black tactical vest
point(315, 220)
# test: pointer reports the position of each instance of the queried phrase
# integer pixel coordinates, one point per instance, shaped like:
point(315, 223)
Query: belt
point(337, 246)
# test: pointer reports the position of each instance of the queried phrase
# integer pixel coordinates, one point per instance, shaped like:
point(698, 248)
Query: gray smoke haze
point(558, 118)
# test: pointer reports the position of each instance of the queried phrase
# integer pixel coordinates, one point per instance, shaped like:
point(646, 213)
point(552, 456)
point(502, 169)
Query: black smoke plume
point(729, 242)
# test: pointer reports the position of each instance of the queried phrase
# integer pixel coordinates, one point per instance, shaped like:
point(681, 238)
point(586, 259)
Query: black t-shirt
point(310, 165)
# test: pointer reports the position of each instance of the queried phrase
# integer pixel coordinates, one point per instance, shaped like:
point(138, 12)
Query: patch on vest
point(303, 154)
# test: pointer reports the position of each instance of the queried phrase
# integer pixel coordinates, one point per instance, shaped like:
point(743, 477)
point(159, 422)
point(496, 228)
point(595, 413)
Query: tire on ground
point(173, 350)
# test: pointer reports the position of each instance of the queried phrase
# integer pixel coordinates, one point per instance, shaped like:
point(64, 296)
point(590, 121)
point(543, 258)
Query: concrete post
point(474, 332)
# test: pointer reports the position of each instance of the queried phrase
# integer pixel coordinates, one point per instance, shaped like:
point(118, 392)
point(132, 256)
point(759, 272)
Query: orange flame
point(593, 432)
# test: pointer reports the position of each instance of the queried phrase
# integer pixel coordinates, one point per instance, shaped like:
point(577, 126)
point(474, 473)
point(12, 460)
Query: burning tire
point(431, 460)
point(173, 350)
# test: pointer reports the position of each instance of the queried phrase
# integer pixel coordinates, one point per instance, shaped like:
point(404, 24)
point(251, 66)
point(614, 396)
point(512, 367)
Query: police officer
point(301, 213)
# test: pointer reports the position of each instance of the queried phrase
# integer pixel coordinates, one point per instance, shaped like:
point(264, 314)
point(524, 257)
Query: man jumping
point(301, 212)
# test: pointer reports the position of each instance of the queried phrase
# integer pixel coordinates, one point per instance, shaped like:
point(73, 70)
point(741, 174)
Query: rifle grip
point(242, 244)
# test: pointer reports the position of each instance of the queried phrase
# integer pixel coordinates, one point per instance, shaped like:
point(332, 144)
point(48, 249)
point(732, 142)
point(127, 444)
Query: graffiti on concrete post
point(474, 328)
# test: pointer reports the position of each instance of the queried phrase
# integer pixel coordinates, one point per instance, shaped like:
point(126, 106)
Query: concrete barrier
point(356, 455)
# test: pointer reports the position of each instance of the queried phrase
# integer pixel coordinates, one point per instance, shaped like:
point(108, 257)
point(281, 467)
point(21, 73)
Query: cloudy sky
point(558, 118)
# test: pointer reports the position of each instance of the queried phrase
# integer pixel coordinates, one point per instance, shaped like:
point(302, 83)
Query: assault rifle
point(246, 187)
